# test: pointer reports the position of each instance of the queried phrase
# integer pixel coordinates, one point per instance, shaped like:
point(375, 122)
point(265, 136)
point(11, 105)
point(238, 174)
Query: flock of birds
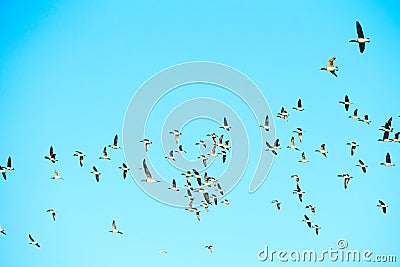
point(223, 148)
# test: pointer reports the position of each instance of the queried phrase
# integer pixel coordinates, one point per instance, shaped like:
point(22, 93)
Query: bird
point(385, 138)
point(353, 146)
point(226, 202)
point(292, 145)
point(171, 156)
point(299, 192)
point(388, 162)
point(206, 180)
point(53, 213)
point(180, 150)
point(105, 155)
point(312, 208)
point(56, 176)
point(197, 212)
point(204, 159)
point(96, 173)
point(226, 145)
point(33, 242)
point(303, 158)
point(299, 106)
point(204, 204)
point(2, 231)
point(205, 195)
point(354, 116)
point(346, 178)
point(187, 174)
point(265, 126)
point(365, 119)
point(210, 248)
point(226, 126)
point(361, 40)
point(382, 205)
point(213, 152)
point(3, 172)
point(9, 167)
point(115, 143)
point(176, 133)
point(362, 166)
point(215, 199)
point(396, 138)
point(223, 153)
point(124, 169)
point(201, 143)
point(51, 156)
point(283, 114)
point(271, 148)
point(146, 143)
point(220, 189)
point(346, 102)
point(190, 208)
point(299, 132)
point(164, 251)
point(322, 150)
point(277, 203)
point(307, 220)
point(213, 136)
point(388, 126)
point(331, 67)
point(149, 178)
point(81, 156)
point(114, 229)
point(295, 176)
point(197, 176)
point(316, 227)
point(189, 195)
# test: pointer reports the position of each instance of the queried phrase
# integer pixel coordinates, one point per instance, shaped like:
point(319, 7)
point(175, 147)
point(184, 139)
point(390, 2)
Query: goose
point(197, 176)
point(164, 251)
point(197, 212)
point(382, 205)
point(189, 184)
point(146, 143)
point(346, 102)
point(307, 220)
point(226, 145)
point(176, 133)
point(220, 141)
point(187, 175)
point(220, 189)
point(190, 208)
point(316, 227)
point(3, 172)
point(362, 166)
point(215, 199)
point(53, 213)
point(204, 159)
point(331, 67)
point(283, 114)
point(114, 229)
point(299, 106)
point(346, 178)
point(271, 148)
point(295, 176)
point(223, 153)
point(205, 205)
point(201, 143)
point(299, 192)
point(299, 132)
point(303, 158)
point(360, 38)
point(210, 248)
point(353, 146)
point(80, 155)
point(365, 120)
point(396, 137)
point(124, 169)
point(214, 181)
point(213, 136)
point(312, 208)
point(149, 178)
point(51, 156)
point(266, 124)
point(33, 242)
point(56, 176)
point(213, 153)
point(354, 116)
point(277, 203)
point(388, 162)
point(226, 202)
point(171, 156)
point(206, 179)
point(115, 143)
point(2, 231)
point(9, 167)
point(322, 150)
point(96, 173)
point(292, 145)
point(388, 126)
point(226, 126)
point(385, 138)
point(180, 150)
point(205, 195)
point(105, 155)
point(189, 195)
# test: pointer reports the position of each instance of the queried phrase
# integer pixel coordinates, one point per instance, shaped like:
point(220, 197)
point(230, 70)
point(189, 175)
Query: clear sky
point(68, 70)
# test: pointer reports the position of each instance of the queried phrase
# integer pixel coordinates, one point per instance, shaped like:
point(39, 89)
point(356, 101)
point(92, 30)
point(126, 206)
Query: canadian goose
point(51, 156)
point(189, 195)
point(360, 38)
point(176, 133)
point(197, 176)
point(226, 145)
point(266, 124)
point(9, 167)
point(385, 138)
point(53, 213)
point(316, 227)
point(303, 158)
point(206, 180)
point(114, 229)
point(210, 248)
point(213, 152)
point(190, 208)
point(56, 176)
point(226, 126)
point(124, 169)
point(271, 148)
point(292, 145)
point(164, 251)
point(149, 178)
point(299, 106)
point(96, 173)
point(388, 126)
point(362, 166)
point(388, 162)
point(312, 208)
point(197, 212)
point(105, 155)
point(396, 137)
point(115, 143)
point(201, 143)
point(299, 193)
point(81, 156)
point(2, 231)
point(220, 189)
point(180, 150)
point(220, 141)
point(346, 178)
point(307, 220)
point(382, 205)
point(223, 153)
point(331, 67)
point(205, 205)
point(205, 195)
point(365, 120)
point(322, 150)
point(215, 199)
point(277, 203)
point(204, 159)
point(171, 156)
point(226, 202)
point(299, 132)
point(146, 143)
point(296, 177)
point(283, 114)
point(3, 172)
point(346, 102)
point(354, 116)
point(213, 136)
point(353, 146)
point(187, 175)
point(33, 242)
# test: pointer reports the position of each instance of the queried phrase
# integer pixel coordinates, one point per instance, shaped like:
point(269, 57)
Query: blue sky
point(68, 70)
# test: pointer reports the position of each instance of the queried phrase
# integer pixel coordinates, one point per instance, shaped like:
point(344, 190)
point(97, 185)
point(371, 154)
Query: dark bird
point(299, 106)
point(388, 161)
point(346, 102)
point(33, 242)
point(81, 157)
point(51, 156)
point(124, 169)
point(96, 173)
point(362, 166)
point(361, 40)
point(382, 205)
point(115, 143)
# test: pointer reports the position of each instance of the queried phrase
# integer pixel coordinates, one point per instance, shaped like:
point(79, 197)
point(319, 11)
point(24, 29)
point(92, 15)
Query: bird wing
point(388, 158)
point(299, 103)
point(362, 47)
point(31, 238)
point(94, 169)
point(114, 226)
point(9, 162)
point(359, 30)
point(225, 122)
point(292, 141)
point(276, 144)
point(51, 150)
point(171, 153)
point(146, 170)
point(116, 140)
point(267, 121)
point(330, 62)
point(173, 183)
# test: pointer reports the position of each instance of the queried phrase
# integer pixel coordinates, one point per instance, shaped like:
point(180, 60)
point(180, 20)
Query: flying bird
point(283, 114)
point(114, 229)
point(213, 136)
point(388, 162)
point(365, 119)
point(56, 176)
point(362, 166)
point(33, 242)
point(204, 204)
point(316, 227)
point(396, 137)
point(353, 146)
point(115, 143)
point(385, 138)
point(171, 156)
point(146, 143)
point(105, 155)
point(299, 132)
point(2, 231)
point(295, 176)
point(149, 178)
point(180, 150)
point(220, 141)
point(266, 124)
point(223, 153)
point(354, 116)
point(215, 199)
point(226, 145)
point(124, 169)
point(164, 251)
point(361, 40)
point(388, 126)
point(53, 213)
point(322, 150)
point(210, 248)
point(96, 173)
point(81, 156)
point(299, 106)
point(292, 145)
point(277, 203)
point(331, 67)
point(213, 152)
point(346, 102)
point(299, 192)
point(9, 167)
point(204, 159)
point(226, 126)
point(3, 172)
point(51, 156)
point(176, 133)
point(382, 205)
point(197, 176)
point(312, 208)
point(271, 148)
point(220, 189)
point(307, 220)
point(201, 143)
point(189, 195)
point(346, 178)
point(226, 202)
point(303, 158)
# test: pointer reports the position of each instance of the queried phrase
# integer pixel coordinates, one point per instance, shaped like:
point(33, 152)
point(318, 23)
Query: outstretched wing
point(360, 33)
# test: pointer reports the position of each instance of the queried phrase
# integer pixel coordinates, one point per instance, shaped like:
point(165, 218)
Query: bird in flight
point(176, 133)
point(303, 158)
point(388, 161)
point(96, 173)
point(51, 156)
point(213, 136)
point(56, 176)
point(105, 155)
point(81, 156)
point(33, 242)
point(355, 115)
point(385, 138)
point(201, 143)
point(346, 102)
point(266, 124)
point(146, 143)
point(204, 159)
point(173, 187)
point(164, 251)
point(361, 40)
point(210, 248)
point(353, 146)
point(316, 227)
point(149, 178)
point(277, 203)
point(362, 166)
point(331, 67)
point(170, 156)
point(115, 143)
point(322, 150)
point(299, 132)
point(396, 138)
point(124, 169)
point(9, 167)
point(53, 213)
point(2, 231)
point(346, 178)
point(307, 220)
point(114, 229)
point(3, 172)
point(365, 119)
point(180, 150)
point(299, 106)
point(299, 192)
point(283, 114)
point(292, 145)
point(226, 126)
point(226, 202)
point(223, 153)
point(312, 208)
point(382, 205)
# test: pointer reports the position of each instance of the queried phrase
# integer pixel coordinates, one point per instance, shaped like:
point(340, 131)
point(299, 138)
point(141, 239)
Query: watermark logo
point(154, 89)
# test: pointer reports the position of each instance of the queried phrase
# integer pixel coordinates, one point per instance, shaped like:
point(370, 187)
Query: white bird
point(96, 173)
point(53, 213)
point(115, 143)
point(114, 229)
point(81, 157)
point(322, 150)
point(33, 242)
point(124, 169)
point(266, 124)
point(353, 146)
point(299, 106)
point(361, 40)
point(171, 156)
point(56, 176)
point(299, 132)
point(105, 155)
point(362, 166)
point(382, 205)
point(149, 178)
point(146, 143)
point(51, 156)
point(292, 145)
point(331, 67)
point(346, 102)
point(388, 161)
point(303, 158)
point(226, 125)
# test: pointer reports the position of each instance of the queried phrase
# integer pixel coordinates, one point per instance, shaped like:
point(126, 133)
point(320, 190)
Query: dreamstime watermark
point(341, 253)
